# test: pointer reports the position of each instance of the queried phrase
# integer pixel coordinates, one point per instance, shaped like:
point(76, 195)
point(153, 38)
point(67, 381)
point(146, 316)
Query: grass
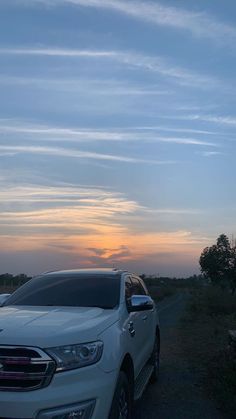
point(222, 381)
point(211, 313)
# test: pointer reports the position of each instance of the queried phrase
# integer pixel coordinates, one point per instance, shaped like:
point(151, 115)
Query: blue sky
point(117, 133)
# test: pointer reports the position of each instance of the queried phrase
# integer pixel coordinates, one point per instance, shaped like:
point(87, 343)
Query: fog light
point(76, 411)
point(76, 414)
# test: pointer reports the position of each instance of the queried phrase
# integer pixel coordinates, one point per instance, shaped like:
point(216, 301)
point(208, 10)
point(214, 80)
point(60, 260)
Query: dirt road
point(178, 394)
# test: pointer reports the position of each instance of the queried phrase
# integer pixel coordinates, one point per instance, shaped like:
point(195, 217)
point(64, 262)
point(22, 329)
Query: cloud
point(76, 154)
point(96, 215)
point(175, 211)
point(223, 120)
point(58, 52)
point(153, 64)
point(211, 153)
point(142, 252)
point(54, 133)
point(84, 225)
point(86, 86)
point(184, 130)
point(187, 141)
point(216, 119)
point(72, 210)
point(109, 257)
point(199, 24)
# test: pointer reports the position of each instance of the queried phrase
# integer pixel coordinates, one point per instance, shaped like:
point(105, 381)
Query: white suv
point(78, 344)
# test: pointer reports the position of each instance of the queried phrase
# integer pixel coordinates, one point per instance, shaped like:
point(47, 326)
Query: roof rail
point(120, 270)
point(48, 272)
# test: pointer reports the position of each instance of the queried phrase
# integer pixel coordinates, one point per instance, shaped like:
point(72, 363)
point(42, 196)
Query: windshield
point(69, 290)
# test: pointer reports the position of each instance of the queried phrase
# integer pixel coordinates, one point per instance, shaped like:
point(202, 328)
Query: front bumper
point(67, 388)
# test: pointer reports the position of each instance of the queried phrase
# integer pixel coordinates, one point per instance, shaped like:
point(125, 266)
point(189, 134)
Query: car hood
point(53, 326)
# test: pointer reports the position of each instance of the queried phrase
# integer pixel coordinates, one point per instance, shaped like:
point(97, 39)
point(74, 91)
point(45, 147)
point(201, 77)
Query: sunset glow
point(116, 134)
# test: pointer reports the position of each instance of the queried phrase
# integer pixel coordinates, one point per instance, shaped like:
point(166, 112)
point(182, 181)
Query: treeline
point(162, 287)
point(13, 281)
point(190, 281)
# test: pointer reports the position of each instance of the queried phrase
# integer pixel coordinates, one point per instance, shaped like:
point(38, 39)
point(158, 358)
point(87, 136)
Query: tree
point(232, 276)
point(218, 263)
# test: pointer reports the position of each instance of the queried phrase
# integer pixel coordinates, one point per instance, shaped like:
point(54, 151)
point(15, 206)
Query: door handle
point(144, 317)
point(131, 329)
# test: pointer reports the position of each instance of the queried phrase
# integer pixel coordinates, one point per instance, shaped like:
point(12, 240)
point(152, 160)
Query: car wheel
point(155, 360)
point(122, 401)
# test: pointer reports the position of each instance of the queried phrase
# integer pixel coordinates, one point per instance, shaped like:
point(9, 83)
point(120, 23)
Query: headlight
point(76, 356)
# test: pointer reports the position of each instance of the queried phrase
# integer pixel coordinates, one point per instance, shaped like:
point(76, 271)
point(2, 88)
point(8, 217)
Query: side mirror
point(140, 303)
point(3, 298)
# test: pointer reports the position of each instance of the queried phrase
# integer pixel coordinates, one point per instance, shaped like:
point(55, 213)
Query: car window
point(69, 290)
point(128, 288)
point(143, 286)
point(137, 288)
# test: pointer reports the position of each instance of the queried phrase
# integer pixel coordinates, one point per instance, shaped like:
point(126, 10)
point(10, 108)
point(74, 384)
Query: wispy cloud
point(215, 119)
point(87, 224)
point(176, 129)
point(78, 211)
point(65, 212)
point(89, 203)
point(175, 211)
point(199, 24)
point(224, 120)
point(76, 154)
point(58, 52)
point(87, 86)
point(147, 63)
point(211, 153)
point(187, 141)
point(56, 134)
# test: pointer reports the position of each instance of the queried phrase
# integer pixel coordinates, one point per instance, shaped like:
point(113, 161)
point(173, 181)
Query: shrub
point(214, 301)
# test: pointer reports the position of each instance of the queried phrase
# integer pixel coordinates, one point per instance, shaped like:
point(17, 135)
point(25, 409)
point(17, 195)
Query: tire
point(121, 407)
point(155, 360)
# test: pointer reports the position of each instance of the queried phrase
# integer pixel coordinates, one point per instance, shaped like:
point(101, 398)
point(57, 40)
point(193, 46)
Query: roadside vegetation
point(162, 287)
point(9, 283)
point(210, 315)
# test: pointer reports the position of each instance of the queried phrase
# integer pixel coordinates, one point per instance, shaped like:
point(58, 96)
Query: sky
point(117, 133)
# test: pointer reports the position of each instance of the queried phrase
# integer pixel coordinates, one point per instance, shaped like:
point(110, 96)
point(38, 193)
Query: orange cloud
point(89, 222)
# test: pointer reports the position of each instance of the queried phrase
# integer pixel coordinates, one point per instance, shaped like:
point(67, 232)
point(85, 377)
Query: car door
point(146, 321)
point(137, 327)
point(151, 320)
point(134, 329)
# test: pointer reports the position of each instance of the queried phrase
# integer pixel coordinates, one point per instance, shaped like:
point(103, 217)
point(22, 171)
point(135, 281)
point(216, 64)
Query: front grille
point(24, 369)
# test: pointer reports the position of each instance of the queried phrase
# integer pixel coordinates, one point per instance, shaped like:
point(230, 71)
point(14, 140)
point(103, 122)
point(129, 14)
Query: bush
point(214, 301)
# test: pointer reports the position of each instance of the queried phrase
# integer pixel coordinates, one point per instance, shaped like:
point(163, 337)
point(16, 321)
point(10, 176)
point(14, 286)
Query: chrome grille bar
point(24, 368)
